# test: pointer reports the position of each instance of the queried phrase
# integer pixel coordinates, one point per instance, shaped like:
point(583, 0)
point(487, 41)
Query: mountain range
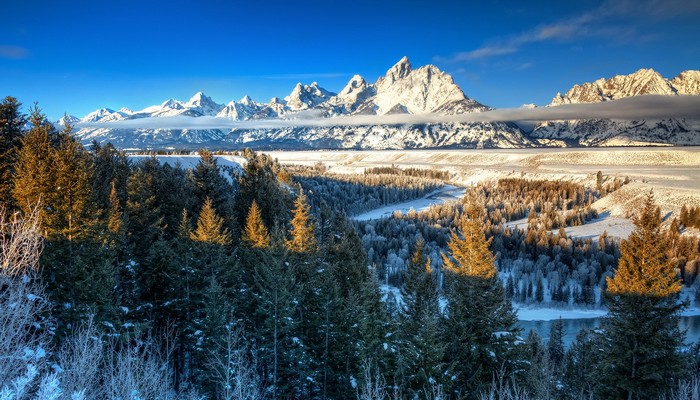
point(402, 90)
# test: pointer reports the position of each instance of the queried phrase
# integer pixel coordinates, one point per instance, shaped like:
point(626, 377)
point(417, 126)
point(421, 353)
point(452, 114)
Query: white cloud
point(601, 22)
point(632, 108)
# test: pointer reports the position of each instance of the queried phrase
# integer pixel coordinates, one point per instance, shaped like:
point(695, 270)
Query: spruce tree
point(421, 349)
point(255, 233)
point(302, 232)
point(481, 325)
point(34, 184)
point(210, 227)
point(642, 356)
point(11, 131)
point(279, 347)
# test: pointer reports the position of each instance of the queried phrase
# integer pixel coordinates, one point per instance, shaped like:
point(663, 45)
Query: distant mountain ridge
point(402, 90)
point(602, 132)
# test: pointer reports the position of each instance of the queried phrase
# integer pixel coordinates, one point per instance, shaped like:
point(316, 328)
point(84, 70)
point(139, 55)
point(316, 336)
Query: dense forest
point(142, 280)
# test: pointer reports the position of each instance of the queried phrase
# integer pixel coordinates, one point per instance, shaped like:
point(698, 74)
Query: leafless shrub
point(137, 372)
point(80, 358)
point(373, 384)
point(505, 388)
point(686, 390)
point(20, 242)
point(235, 371)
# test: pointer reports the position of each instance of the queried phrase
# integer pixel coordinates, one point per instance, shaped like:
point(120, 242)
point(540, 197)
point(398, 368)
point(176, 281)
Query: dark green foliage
point(582, 365)
point(481, 326)
point(421, 349)
point(11, 132)
point(259, 182)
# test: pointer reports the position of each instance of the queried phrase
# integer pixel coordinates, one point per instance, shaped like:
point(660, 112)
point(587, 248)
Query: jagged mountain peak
point(400, 70)
point(420, 91)
point(307, 96)
point(198, 98)
point(172, 103)
point(246, 100)
point(687, 82)
point(641, 82)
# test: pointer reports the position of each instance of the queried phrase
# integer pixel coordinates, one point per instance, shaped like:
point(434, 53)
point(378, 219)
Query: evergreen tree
point(34, 184)
point(11, 131)
point(111, 172)
point(421, 349)
point(582, 364)
point(641, 357)
point(279, 348)
point(210, 227)
point(302, 232)
point(255, 233)
point(481, 325)
point(556, 344)
point(259, 182)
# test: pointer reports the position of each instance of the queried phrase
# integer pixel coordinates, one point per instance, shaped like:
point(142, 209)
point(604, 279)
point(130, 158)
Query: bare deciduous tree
point(234, 369)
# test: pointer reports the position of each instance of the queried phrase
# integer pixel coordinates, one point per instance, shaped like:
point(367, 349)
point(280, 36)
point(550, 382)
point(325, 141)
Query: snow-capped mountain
point(401, 90)
point(597, 132)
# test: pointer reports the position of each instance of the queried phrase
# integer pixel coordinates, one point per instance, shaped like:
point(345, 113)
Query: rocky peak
point(400, 70)
point(687, 82)
point(644, 81)
point(307, 96)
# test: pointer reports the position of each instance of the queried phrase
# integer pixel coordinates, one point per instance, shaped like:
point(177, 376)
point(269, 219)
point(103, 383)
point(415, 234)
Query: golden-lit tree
point(643, 268)
point(302, 232)
point(255, 233)
point(481, 326)
point(471, 253)
point(641, 357)
point(210, 227)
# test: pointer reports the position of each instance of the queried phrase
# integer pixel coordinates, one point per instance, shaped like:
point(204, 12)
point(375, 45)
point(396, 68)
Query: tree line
point(142, 280)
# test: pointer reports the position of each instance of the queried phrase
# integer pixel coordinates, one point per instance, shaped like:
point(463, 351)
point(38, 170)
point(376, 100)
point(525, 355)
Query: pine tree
point(302, 232)
point(421, 350)
point(276, 297)
point(210, 227)
point(556, 344)
point(11, 131)
point(34, 170)
point(481, 325)
point(255, 233)
point(641, 355)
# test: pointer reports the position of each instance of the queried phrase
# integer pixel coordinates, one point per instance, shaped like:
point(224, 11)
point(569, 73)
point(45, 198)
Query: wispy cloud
point(632, 108)
point(593, 23)
point(13, 52)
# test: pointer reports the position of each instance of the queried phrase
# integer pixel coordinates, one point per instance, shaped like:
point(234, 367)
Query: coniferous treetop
point(255, 234)
point(210, 227)
point(303, 240)
point(643, 268)
point(471, 255)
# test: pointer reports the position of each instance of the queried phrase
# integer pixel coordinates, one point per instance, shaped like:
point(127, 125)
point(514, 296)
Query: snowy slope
point(624, 133)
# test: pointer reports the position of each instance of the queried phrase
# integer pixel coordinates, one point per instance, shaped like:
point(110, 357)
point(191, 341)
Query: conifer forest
point(125, 279)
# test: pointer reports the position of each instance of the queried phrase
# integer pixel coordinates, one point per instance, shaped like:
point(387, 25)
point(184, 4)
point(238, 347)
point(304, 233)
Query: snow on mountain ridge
point(641, 82)
point(597, 132)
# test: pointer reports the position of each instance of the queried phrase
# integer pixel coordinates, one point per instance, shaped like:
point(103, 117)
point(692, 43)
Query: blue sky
point(78, 56)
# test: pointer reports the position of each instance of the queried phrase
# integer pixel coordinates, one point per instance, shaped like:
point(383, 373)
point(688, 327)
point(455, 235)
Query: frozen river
point(444, 194)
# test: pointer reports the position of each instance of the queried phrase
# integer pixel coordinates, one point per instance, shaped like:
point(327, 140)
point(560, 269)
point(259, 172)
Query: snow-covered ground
point(440, 196)
point(191, 161)
point(672, 172)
